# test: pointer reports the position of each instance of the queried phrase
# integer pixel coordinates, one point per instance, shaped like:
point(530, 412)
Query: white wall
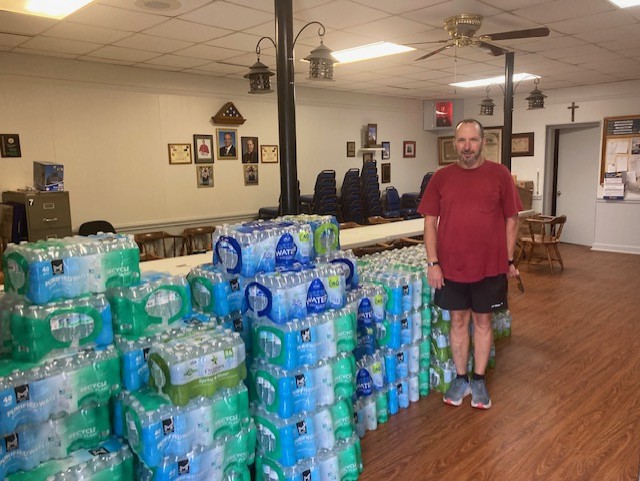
point(110, 125)
point(617, 226)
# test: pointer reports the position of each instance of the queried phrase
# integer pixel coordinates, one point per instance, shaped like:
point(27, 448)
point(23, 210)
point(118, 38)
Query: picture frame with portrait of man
point(203, 149)
point(249, 150)
point(227, 144)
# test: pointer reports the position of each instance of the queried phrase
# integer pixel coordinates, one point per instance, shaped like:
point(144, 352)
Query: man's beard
point(469, 160)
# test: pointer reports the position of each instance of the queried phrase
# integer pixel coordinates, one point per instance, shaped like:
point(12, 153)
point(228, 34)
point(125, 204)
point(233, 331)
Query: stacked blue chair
point(393, 208)
point(325, 199)
point(351, 198)
point(411, 200)
point(370, 188)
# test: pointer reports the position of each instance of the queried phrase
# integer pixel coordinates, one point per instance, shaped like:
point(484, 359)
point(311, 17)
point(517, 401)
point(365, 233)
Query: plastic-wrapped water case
point(254, 247)
point(227, 458)
point(370, 375)
point(287, 393)
point(295, 294)
point(343, 462)
point(214, 292)
point(349, 261)
point(39, 331)
point(55, 269)
point(151, 306)
point(32, 393)
point(109, 461)
point(199, 364)
point(305, 342)
point(30, 445)
point(156, 428)
point(304, 435)
point(325, 228)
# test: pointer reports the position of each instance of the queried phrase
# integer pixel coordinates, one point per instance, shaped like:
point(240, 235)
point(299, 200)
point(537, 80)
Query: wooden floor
point(565, 390)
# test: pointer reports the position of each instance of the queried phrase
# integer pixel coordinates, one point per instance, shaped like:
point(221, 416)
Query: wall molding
point(620, 249)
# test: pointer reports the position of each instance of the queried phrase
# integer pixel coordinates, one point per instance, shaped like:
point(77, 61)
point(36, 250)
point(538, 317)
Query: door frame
point(549, 196)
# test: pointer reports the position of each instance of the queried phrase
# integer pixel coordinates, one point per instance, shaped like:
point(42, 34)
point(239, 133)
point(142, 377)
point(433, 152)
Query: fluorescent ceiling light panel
point(57, 9)
point(625, 3)
point(494, 80)
point(366, 52)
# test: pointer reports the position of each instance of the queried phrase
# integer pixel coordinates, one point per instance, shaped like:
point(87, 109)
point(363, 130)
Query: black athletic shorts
point(485, 296)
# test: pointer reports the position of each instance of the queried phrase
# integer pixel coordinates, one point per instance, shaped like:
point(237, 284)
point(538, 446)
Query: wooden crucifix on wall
point(573, 108)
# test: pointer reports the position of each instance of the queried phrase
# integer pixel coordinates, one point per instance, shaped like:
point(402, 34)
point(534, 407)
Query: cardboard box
point(48, 176)
point(526, 197)
point(525, 184)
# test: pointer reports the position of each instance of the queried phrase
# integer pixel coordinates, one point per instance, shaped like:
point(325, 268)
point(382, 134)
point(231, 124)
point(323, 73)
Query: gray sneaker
point(479, 395)
point(458, 390)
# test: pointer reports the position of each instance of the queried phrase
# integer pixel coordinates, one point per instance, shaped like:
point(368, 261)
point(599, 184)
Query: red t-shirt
point(472, 205)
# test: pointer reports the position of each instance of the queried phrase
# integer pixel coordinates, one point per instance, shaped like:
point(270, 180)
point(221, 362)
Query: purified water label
point(365, 312)
point(285, 250)
point(364, 383)
point(316, 297)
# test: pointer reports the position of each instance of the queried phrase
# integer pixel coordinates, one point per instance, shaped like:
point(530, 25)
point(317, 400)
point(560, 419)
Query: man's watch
point(434, 263)
point(510, 262)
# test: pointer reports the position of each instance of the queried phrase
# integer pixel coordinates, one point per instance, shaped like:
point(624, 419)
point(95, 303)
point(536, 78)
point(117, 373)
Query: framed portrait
point(203, 149)
point(227, 144)
point(367, 157)
point(443, 112)
point(204, 175)
point(522, 144)
point(386, 150)
point(269, 154)
point(250, 174)
point(249, 150)
point(409, 148)
point(386, 173)
point(446, 151)
point(492, 149)
point(372, 135)
point(179, 154)
point(351, 149)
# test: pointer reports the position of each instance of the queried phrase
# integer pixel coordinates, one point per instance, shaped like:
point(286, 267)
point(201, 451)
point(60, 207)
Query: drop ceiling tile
point(177, 61)
point(11, 40)
point(158, 67)
point(208, 52)
point(614, 66)
point(389, 28)
point(248, 59)
point(398, 6)
point(105, 60)
point(622, 43)
point(435, 14)
point(586, 76)
point(86, 33)
point(4, 48)
point(563, 10)
point(513, 4)
point(341, 14)
point(151, 43)
point(550, 43)
point(226, 15)
point(567, 53)
point(580, 59)
point(62, 45)
point(429, 74)
point(187, 31)
point(239, 41)
point(24, 24)
point(609, 34)
point(116, 18)
point(182, 7)
point(505, 22)
point(599, 21)
point(221, 68)
point(124, 54)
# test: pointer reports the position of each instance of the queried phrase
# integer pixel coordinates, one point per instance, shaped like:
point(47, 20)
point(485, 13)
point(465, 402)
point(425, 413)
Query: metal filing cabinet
point(48, 213)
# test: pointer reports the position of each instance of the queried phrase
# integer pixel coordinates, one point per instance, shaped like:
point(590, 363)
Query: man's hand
point(435, 277)
point(513, 272)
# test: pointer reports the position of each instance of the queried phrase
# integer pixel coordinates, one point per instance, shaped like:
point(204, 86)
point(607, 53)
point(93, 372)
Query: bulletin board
point(620, 145)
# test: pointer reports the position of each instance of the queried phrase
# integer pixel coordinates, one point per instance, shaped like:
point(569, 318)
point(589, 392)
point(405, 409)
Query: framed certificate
point(269, 154)
point(179, 154)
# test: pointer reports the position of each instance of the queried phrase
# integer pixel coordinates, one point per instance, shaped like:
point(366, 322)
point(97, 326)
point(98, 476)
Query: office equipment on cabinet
point(48, 214)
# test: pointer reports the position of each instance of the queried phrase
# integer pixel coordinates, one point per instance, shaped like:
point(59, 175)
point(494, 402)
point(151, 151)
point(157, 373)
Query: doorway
point(572, 169)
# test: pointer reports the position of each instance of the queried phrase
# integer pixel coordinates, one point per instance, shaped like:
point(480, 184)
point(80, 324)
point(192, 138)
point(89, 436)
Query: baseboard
point(622, 249)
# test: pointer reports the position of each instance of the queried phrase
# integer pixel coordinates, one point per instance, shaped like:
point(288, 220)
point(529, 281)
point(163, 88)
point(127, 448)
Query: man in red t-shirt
point(471, 220)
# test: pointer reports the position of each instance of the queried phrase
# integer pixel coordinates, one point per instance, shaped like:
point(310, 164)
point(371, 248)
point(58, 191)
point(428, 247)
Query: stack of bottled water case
point(294, 281)
point(59, 370)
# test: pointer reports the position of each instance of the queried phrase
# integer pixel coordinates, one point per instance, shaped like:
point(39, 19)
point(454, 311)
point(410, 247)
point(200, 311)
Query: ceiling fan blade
point(496, 50)
point(434, 52)
point(531, 32)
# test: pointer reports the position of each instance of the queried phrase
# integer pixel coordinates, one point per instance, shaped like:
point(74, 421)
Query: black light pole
point(507, 125)
point(286, 107)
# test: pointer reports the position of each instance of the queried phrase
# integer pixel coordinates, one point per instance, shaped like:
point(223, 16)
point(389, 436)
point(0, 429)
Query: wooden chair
point(198, 239)
point(377, 219)
point(349, 225)
point(151, 245)
point(544, 231)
